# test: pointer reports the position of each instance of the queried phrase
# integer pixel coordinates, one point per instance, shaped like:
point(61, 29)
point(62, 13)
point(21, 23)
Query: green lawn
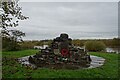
point(12, 69)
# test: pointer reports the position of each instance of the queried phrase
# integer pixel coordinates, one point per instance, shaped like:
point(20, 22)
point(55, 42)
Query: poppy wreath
point(64, 52)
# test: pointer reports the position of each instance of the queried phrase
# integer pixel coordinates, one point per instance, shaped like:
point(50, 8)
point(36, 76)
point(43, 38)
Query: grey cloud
point(80, 20)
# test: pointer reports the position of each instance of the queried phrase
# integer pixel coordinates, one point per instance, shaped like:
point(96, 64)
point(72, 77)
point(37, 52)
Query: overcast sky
point(81, 20)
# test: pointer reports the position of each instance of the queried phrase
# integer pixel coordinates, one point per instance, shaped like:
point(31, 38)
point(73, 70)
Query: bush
point(10, 45)
point(95, 46)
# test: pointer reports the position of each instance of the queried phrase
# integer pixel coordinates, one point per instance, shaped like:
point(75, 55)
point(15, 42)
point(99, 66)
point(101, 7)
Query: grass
point(12, 69)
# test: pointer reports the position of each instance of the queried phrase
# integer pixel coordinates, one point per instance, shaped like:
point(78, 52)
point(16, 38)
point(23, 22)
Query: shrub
point(95, 46)
point(10, 45)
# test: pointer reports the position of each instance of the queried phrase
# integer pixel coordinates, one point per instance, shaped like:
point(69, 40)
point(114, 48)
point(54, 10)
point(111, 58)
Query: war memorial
point(62, 54)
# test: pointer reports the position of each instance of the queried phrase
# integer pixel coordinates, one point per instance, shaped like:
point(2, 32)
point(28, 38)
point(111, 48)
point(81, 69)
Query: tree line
point(115, 42)
point(9, 44)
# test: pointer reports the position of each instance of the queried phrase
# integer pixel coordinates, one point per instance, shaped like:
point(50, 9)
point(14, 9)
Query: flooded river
point(113, 50)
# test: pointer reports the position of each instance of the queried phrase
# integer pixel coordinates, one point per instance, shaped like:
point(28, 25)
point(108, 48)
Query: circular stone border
point(96, 61)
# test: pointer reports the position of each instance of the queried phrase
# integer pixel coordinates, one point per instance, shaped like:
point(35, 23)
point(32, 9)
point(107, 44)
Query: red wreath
point(64, 52)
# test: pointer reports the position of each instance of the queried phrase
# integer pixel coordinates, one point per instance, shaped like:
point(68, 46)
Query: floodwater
point(113, 50)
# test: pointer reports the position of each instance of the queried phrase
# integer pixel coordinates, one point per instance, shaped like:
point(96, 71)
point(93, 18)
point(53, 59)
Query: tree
point(116, 42)
point(10, 11)
point(10, 15)
point(95, 46)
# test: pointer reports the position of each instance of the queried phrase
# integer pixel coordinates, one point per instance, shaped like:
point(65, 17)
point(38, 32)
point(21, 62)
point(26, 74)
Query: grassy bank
point(12, 69)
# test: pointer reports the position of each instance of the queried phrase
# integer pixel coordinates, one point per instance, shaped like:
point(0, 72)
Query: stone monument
point(61, 54)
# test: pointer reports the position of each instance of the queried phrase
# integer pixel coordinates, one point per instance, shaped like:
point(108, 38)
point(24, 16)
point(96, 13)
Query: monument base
point(96, 62)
